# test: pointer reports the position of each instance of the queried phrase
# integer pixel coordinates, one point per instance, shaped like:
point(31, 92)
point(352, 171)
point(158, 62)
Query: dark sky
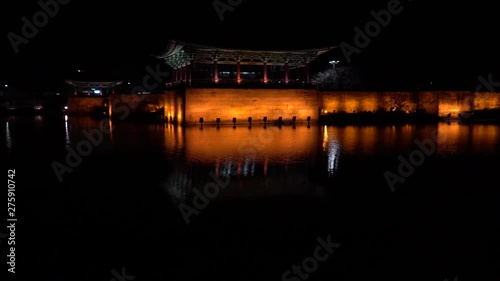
point(448, 44)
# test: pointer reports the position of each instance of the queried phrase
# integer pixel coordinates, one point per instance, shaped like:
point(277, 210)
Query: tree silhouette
point(338, 78)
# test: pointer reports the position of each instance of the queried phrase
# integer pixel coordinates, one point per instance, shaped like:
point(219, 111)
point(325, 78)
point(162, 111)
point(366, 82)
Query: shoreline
point(331, 119)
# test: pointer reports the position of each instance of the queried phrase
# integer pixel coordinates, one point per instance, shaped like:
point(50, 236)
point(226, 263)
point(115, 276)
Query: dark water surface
point(280, 190)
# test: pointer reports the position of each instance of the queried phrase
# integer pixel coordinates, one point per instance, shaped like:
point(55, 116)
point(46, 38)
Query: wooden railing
point(244, 82)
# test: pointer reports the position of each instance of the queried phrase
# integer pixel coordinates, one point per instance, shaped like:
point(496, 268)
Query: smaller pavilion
point(95, 89)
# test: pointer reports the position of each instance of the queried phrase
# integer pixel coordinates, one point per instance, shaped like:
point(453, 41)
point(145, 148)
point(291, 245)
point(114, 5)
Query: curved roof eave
point(175, 47)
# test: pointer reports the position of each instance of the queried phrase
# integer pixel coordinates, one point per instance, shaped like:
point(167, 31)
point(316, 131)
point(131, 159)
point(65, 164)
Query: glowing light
point(38, 107)
point(97, 91)
point(66, 108)
point(333, 62)
point(6, 86)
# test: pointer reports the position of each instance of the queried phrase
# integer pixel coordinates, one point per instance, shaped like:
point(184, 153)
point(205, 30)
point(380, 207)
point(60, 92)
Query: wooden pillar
point(190, 72)
point(216, 72)
point(238, 72)
point(176, 75)
point(265, 72)
point(287, 73)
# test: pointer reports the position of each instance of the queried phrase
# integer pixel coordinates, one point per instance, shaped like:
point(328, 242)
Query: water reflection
point(66, 130)
point(465, 139)
point(252, 161)
point(178, 186)
point(259, 159)
point(259, 148)
point(39, 124)
point(370, 140)
point(331, 146)
point(8, 138)
point(174, 140)
point(243, 146)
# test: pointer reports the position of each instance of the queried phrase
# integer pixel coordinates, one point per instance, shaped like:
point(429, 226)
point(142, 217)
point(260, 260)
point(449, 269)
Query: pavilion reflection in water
point(254, 161)
point(253, 153)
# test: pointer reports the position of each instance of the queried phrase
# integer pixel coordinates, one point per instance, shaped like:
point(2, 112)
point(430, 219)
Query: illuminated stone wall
point(227, 104)
point(355, 102)
point(137, 102)
point(436, 102)
point(455, 102)
point(120, 103)
point(174, 106)
point(84, 105)
point(458, 102)
point(211, 103)
point(487, 100)
point(349, 101)
point(124, 105)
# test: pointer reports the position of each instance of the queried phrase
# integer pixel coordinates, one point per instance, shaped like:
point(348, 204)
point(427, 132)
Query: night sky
point(449, 45)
